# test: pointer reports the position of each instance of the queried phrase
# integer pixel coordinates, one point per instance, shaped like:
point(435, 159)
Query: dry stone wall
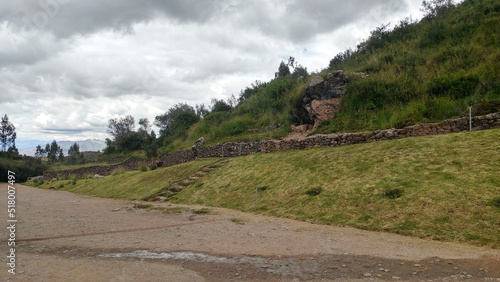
point(90, 171)
point(331, 140)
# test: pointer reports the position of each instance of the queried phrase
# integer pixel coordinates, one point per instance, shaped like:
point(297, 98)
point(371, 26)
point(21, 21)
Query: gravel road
point(62, 236)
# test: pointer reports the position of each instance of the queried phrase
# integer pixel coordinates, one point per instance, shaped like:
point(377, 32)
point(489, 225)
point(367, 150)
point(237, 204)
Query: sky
point(68, 66)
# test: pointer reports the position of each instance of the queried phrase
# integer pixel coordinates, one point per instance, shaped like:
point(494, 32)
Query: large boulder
point(322, 98)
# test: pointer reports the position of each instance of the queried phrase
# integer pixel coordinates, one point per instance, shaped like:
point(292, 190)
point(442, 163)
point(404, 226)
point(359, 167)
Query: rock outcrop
point(322, 98)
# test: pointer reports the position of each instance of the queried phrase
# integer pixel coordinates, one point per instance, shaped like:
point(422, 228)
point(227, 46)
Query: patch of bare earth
point(67, 237)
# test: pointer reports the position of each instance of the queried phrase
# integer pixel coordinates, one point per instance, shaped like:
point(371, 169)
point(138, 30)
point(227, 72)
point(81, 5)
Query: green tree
point(220, 106)
point(183, 122)
point(74, 155)
point(7, 134)
point(283, 70)
point(54, 152)
point(432, 8)
point(40, 152)
point(120, 128)
point(74, 150)
point(167, 121)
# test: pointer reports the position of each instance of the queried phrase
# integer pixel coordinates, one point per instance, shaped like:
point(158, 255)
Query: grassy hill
point(444, 187)
point(415, 72)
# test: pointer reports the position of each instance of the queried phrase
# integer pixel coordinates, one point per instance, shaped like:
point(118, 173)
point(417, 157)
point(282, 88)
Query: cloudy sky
point(68, 66)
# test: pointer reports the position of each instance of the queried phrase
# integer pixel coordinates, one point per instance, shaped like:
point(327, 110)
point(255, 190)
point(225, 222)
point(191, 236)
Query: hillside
point(415, 72)
point(443, 187)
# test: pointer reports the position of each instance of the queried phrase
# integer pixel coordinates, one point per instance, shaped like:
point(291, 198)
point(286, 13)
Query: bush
point(459, 85)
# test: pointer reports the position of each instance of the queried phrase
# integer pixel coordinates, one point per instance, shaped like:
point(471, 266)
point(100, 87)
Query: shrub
point(459, 85)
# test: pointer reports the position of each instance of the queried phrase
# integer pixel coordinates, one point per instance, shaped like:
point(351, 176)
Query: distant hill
point(85, 145)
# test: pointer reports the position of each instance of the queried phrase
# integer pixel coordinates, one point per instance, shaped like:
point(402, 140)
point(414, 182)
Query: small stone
point(417, 265)
point(396, 277)
point(367, 275)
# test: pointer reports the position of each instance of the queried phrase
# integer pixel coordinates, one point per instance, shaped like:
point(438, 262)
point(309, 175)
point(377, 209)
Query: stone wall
point(331, 140)
point(179, 157)
point(90, 171)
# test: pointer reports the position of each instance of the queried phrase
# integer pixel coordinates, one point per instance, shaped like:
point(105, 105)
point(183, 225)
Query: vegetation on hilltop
point(425, 71)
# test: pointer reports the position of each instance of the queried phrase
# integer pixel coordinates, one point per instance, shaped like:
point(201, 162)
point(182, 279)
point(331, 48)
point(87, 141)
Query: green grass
point(131, 184)
point(438, 187)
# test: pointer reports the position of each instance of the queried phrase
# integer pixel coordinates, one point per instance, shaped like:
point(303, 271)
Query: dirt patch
point(63, 236)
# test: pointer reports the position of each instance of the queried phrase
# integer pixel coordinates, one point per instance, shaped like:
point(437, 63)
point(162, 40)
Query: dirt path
point(68, 237)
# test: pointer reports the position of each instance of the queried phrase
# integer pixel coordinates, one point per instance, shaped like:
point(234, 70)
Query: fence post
point(470, 118)
point(255, 208)
point(168, 190)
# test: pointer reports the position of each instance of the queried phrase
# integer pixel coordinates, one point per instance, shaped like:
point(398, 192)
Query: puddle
point(191, 256)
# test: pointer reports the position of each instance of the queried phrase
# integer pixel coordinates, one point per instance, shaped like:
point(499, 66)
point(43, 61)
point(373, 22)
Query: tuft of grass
point(495, 203)
point(118, 171)
point(393, 193)
point(143, 167)
point(314, 191)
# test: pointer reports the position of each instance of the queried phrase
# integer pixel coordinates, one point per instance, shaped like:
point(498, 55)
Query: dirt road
point(67, 237)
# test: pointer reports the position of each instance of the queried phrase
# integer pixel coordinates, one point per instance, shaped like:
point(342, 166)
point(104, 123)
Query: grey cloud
point(300, 21)
point(69, 17)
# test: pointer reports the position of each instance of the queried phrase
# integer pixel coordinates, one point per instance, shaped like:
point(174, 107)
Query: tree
point(145, 125)
point(220, 106)
point(74, 150)
point(165, 121)
point(202, 111)
point(300, 71)
point(74, 154)
point(54, 152)
point(7, 134)
point(40, 152)
point(283, 70)
point(61, 155)
point(183, 122)
point(432, 8)
point(120, 128)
